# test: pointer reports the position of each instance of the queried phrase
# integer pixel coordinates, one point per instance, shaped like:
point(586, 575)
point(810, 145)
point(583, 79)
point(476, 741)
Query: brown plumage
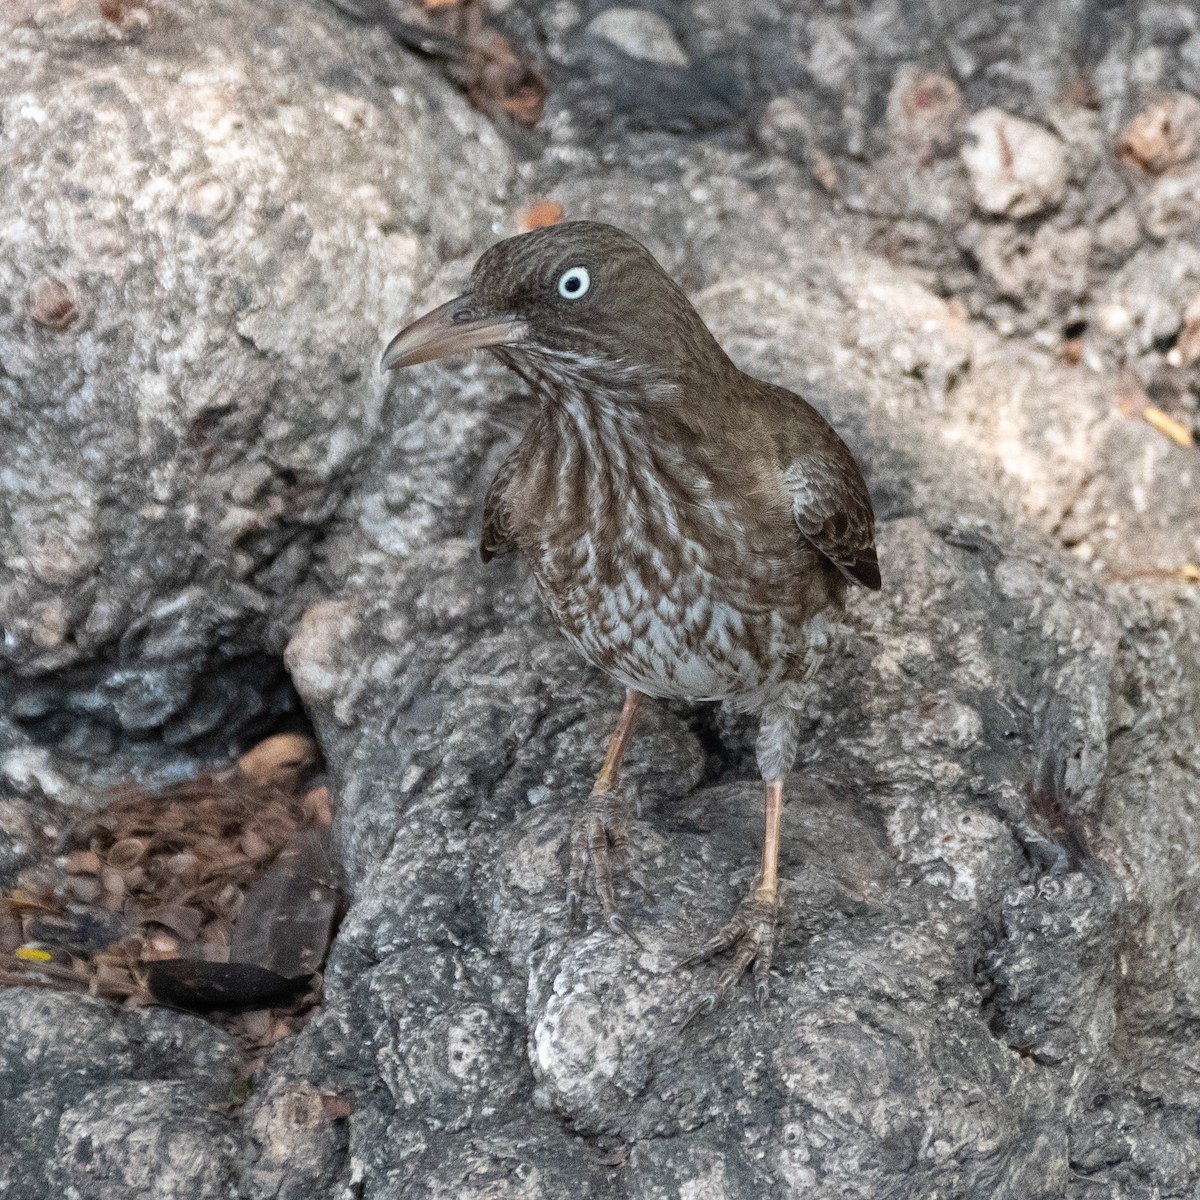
point(691, 529)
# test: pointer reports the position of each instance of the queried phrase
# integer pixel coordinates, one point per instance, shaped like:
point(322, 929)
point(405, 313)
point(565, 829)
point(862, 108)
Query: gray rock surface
point(232, 201)
point(106, 1104)
point(988, 978)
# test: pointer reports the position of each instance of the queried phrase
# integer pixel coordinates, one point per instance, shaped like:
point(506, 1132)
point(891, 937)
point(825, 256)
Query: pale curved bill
point(450, 329)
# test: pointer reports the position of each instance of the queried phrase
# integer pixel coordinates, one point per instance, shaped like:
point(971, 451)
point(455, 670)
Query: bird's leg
point(600, 834)
point(751, 932)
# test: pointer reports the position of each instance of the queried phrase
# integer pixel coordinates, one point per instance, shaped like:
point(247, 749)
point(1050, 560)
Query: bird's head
point(577, 300)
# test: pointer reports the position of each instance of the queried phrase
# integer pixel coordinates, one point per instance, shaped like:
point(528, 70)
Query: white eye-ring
point(574, 283)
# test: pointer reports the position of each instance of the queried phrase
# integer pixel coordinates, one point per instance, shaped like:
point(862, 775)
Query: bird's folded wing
point(833, 511)
point(497, 530)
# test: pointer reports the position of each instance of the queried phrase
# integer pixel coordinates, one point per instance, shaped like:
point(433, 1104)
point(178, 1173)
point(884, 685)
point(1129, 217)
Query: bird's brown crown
point(593, 297)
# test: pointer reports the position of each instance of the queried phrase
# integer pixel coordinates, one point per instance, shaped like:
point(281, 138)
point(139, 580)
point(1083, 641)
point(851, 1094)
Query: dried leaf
point(539, 215)
point(208, 987)
point(113, 883)
point(288, 916)
point(217, 932)
point(318, 807)
point(127, 853)
point(185, 865)
point(83, 862)
point(85, 888)
point(182, 919)
point(279, 761)
point(253, 845)
point(21, 901)
point(337, 1108)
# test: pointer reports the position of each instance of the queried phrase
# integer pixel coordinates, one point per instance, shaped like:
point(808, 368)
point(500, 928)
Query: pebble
point(923, 110)
point(784, 129)
point(84, 888)
point(53, 302)
point(1186, 350)
point(1115, 319)
point(640, 34)
point(1016, 168)
point(1172, 206)
point(1164, 135)
point(832, 56)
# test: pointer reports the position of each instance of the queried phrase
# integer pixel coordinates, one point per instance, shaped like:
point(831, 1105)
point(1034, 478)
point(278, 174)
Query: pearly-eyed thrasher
point(691, 529)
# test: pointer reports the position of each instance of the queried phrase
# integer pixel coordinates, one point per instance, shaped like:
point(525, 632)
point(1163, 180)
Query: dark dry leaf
point(79, 930)
point(480, 60)
point(502, 81)
point(287, 918)
point(336, 1108)
point(204, 987)
point(182, 919)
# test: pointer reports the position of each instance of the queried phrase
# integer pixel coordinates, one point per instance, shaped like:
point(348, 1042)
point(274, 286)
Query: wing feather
point(497, 529)
point(833, 511)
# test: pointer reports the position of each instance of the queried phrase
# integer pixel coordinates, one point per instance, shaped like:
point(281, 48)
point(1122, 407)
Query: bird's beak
point(456, 326)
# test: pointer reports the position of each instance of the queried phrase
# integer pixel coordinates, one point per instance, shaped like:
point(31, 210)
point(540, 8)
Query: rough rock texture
point(988, 979)
point(210, 213)
point(876, 101)
point(108, 1105)
point(952, 1014)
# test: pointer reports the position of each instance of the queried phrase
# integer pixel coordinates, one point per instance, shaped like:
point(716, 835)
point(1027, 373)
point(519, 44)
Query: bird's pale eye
point(574, 283)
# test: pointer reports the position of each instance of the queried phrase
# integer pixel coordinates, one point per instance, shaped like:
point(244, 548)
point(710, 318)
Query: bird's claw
point(619, 924)
point(751, 936)
point(701, 1008)
point(600, 838)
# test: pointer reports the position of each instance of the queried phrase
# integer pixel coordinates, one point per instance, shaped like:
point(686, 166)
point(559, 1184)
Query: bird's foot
point(600, 837)
point(751, 937)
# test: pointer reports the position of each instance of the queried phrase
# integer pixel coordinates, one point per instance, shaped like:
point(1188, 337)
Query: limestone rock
point(640, 34)
point(1017, 168)
point(923, 110)
point(987, 963)
point(1164, 135)
point(213, 214)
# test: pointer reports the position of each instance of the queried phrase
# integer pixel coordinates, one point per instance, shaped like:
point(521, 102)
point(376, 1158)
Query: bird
point(692, 530)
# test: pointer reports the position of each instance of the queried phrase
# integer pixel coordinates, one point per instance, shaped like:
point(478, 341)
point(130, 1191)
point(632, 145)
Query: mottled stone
point(987, 961)
point(213, 215)
point(640, 34)
point(1016, 168)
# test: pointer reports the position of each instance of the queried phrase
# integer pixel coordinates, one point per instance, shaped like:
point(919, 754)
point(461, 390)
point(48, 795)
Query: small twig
point(1188, 573)
point(1134, 402)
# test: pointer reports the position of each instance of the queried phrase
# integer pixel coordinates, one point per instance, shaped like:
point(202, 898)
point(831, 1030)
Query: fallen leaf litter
point(214, 894)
